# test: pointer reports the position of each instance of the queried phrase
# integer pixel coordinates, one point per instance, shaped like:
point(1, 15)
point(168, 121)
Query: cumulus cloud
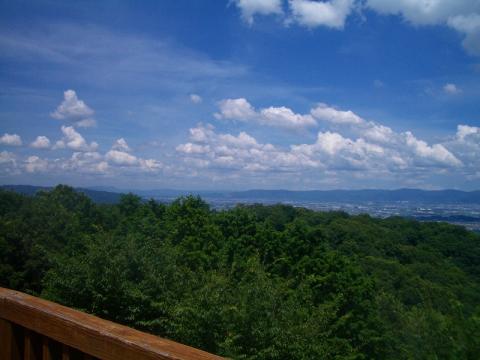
point(121, 144)
point(465, 131)
point(240, 152)
point(7, 157)
point(326, 113)
point(461, 15)
point(190, 148)
point(310, 13)
point(331, 151)
point(284, 117)
point(90, 162)
point(424, 12)
point(195, 98)
point(376, 132)
point(74, 140)
point(368, 147)
point(337, 152)
point(236, 109)
point(41, 142)
point(34, 164)
point(120, 155)
point(417, 151)
point(121, 158)
point(436, 154)
point(8, 163)
point(74, 110)
point(469, 25)
point(249, 8)
point(240, 109)
point(451, 89)
point(86, 123)
point(10, 140)
point(374, 146)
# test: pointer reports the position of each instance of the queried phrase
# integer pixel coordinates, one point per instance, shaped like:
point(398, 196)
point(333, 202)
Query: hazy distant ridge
point(112, 195)
point(411, 195)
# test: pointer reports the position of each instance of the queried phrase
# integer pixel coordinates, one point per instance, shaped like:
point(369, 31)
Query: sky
point(241, 94)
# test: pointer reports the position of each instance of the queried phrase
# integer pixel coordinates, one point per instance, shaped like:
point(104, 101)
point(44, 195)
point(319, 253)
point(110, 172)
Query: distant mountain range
point(410, 195)
point(112, 195)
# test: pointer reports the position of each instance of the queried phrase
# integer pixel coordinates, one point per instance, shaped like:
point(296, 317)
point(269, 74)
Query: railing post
point(46, 351)
point(65, 352)
point(31, 349)
point(9, 344)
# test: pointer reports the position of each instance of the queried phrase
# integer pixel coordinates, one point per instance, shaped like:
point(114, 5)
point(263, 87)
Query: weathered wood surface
point(93, 336)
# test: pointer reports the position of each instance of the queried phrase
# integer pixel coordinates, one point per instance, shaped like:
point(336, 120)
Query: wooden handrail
point(89, 334)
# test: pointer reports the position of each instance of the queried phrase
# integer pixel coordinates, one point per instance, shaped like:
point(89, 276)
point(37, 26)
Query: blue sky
point(241, 94)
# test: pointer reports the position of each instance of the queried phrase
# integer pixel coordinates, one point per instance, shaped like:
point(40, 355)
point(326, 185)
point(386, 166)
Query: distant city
point(467, 215)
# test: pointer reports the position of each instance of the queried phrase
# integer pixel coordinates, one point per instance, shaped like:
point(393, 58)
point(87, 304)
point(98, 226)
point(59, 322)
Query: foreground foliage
point(254, 282)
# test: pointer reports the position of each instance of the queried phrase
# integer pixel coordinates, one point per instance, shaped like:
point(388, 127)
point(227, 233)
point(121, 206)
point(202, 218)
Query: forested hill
point(253, 282)
point(98, 196)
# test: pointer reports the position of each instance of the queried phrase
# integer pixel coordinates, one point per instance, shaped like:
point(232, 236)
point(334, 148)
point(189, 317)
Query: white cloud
point(121, 144)
point(332, 14)
point(451, 89)
point(469, 25)
point(371, 148)
point(34, 164)
point(436, 154)
point(241, 152)
point(8, 163)
point(195, 98)
point(121, 158)
point(72, 107)
point(90, 162)
point(402, 145)
point(150, 165)
point(240, 109)
point(424, 12)
point(236, 109)
point(86, 123)
point(249, 8)
point(284, 117)
point(376, 132)
point(465, 131)
point(376, 146)
point(337, 152)
point(41, 142)
point(11, 140)
point(102, 167)
point(74, 140)
point(461, 15)
point(330, 114)
point(190, 148)
point(7, 157)
point(74, 110)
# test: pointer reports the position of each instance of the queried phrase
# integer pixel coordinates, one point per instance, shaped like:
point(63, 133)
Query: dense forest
point(253, 282)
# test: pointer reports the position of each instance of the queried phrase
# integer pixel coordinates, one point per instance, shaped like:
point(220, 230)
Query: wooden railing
point(35, 329)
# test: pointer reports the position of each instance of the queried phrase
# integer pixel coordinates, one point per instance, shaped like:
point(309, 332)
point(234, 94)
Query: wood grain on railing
point(34, 328)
